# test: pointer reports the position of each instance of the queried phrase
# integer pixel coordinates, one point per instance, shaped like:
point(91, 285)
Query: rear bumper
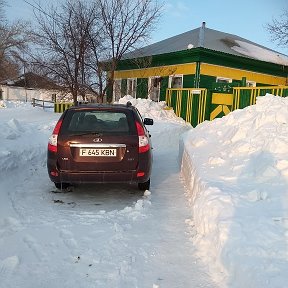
point(99, 177)
point(140, 175)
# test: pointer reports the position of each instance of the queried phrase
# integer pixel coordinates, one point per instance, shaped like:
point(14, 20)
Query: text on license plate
point(98, 152)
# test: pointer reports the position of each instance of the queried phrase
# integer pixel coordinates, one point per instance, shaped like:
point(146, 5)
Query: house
point(29, 86)
point(200, 58)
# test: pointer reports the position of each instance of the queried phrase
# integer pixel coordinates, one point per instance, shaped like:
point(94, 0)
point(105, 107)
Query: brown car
point(100, 144)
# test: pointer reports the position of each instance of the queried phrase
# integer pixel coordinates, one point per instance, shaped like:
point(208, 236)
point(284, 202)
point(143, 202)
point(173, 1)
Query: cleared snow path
point(96, 235)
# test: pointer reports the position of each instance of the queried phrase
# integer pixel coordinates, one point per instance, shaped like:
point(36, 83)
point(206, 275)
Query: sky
point(245, 18)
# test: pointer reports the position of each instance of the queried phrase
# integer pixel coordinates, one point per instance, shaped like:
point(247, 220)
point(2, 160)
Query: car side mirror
point(148, 121)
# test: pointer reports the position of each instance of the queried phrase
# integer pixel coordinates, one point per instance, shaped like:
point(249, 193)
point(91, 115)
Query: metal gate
point(189, 104)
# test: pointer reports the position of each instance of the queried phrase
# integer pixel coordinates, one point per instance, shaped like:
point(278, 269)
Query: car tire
point(144, 186)
point(62, 185)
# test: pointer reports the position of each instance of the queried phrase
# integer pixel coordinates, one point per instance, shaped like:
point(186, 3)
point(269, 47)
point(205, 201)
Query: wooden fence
point(42, 103)
point(246, 96)
point(196, 105)
point(188, 103)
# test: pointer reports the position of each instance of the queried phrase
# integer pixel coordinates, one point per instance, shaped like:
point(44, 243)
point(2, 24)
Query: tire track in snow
point(7, 268)
point(108, 241)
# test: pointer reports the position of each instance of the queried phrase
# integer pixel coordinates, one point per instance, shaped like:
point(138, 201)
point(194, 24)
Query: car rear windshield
point(98, 121)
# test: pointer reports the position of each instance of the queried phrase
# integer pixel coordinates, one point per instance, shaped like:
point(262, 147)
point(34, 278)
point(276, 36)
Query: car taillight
point(143, 140)
point(52, 144)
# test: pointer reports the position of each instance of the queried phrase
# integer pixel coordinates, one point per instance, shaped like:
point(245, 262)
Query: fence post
point(33, 102)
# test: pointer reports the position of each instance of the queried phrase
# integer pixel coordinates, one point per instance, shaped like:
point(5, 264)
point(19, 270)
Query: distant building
point(28, 86)
point(198, 59)
point(34, 81)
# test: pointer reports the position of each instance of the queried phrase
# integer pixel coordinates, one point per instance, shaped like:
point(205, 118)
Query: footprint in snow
point(7, 266)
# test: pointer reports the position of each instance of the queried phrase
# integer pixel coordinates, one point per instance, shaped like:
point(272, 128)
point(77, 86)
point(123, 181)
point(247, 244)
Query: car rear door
point(108, 142)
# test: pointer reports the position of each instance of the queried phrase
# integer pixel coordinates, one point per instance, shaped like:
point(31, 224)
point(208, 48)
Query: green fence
point(246, 96)
point(61, 107)
point(189, 103)
point(196, 105)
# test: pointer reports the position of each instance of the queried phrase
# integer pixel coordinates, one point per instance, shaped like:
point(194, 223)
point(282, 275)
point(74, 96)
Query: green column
point(197, 75)
point(243, 82)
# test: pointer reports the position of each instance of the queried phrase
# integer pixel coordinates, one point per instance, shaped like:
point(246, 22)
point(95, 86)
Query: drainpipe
point(201, 41)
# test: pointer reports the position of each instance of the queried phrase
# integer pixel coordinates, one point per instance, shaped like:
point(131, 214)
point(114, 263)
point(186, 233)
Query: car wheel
point(62, 185)
point(144, 186)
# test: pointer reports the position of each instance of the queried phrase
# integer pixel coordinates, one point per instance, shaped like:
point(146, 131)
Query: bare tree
point(14, 39)
point(64, 42)
point(278, 30)
point(83, 41)
point(126, 24)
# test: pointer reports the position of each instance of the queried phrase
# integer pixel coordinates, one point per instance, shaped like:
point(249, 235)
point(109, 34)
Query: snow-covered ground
point(96, 235)
point(216, 214)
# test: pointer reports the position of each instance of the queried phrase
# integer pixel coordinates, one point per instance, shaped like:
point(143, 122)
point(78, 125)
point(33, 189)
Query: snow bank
point(167, 129)
point(25, 130)
point(24, 134)
point(151, 109)
point(236, 172)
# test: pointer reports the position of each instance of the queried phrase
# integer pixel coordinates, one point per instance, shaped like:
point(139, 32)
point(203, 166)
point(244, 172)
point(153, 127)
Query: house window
point(131, 87)
point(117, 89)
point(154, 88)
point(176, 81)
point(223, 80)
point(250, 84)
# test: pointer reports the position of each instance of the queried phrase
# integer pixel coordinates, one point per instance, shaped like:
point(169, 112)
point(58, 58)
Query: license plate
point(98, 152)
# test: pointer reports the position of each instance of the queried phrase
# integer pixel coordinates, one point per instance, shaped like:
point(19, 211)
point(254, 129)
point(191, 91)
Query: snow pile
point(23, 139)
point(151, 109)
point(169, 128)
point(15, 104)
point(236, 172)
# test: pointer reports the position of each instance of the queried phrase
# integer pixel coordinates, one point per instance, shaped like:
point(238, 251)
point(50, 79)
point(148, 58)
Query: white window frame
point(117, 89)
point(133, 87)
point(224, 79)
point(150, 87)
point(175, 76)
point(250, 83)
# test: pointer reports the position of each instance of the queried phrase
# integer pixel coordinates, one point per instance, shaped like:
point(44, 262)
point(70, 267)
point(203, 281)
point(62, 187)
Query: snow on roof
point(213, 40)
point(260, 53)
